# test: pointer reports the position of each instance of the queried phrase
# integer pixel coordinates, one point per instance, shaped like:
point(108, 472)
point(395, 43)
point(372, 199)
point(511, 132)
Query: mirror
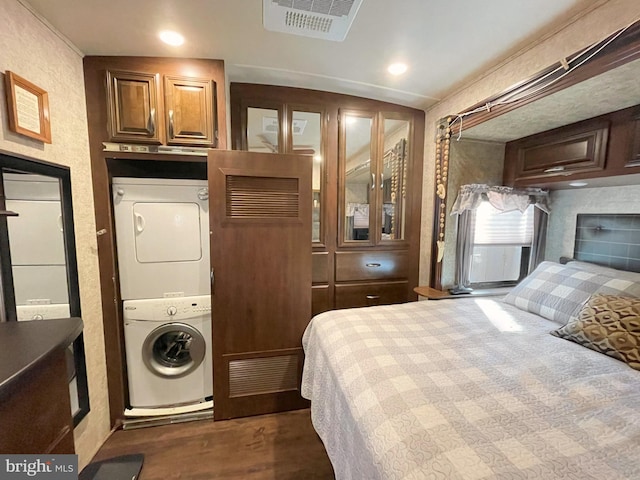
point(394, 178)
point(42, 281)
point(359, 177)
point(476, 155)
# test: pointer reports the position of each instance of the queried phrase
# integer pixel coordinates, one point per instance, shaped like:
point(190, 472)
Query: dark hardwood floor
point(280, 446)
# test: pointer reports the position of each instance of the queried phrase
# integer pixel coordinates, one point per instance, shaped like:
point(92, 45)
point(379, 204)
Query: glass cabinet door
point(306, 139)
point(394, 178)
point(359, 176)
point(263, 130)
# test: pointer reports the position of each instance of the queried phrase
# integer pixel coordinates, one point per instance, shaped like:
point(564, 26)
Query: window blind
point(493, 227)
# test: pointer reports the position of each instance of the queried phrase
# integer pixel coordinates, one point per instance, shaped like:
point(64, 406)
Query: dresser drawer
point(370, 294)
point(353, 266)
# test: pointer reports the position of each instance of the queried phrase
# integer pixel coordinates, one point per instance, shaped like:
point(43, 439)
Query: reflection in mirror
point(394, 179)
point(359, 177)
point(262, 130)
point(37, 245)
point(305, 134)
point(306, 138)
point(470, 161)
point(43, 268)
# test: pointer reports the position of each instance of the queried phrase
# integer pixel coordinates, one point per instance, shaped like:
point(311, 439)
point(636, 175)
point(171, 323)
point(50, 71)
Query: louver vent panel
point(261, 197)
point(305, 21)
point(258, 376)
point(335, 8)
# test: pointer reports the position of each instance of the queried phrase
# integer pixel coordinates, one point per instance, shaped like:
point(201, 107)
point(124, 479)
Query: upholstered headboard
point(609, 239)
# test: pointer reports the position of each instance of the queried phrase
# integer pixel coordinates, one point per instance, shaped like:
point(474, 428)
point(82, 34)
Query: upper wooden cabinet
point(189, 110)
point(604, 146)
point(133, 106)
point(564, 152)
point(157, 101)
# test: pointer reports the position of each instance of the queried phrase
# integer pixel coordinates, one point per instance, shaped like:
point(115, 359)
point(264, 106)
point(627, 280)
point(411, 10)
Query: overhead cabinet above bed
point(605, 146)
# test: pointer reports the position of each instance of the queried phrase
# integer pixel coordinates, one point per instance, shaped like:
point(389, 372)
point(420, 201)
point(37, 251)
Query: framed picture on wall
point(27, 108)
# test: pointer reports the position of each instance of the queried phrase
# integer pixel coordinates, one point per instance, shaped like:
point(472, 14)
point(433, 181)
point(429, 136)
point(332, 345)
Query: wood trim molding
point(619, 48)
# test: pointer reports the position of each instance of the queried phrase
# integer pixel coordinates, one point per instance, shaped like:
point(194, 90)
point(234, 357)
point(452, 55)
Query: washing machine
point(168, 353)
point(162, 237)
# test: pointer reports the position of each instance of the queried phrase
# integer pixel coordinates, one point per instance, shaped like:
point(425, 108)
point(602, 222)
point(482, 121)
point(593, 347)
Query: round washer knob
point(37, 316)
point(172, 310)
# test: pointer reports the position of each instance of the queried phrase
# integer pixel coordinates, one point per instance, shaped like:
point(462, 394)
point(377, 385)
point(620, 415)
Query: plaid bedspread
point(466, 389)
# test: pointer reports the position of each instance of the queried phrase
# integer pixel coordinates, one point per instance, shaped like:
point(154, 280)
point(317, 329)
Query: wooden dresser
point(35, 410)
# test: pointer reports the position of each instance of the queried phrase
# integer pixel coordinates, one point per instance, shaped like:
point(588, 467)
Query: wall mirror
point(38, 259)
point(603, 83)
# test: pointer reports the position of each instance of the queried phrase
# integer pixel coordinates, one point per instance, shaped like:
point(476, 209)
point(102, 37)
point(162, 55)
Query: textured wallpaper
point(31, 50)
point(599, 20)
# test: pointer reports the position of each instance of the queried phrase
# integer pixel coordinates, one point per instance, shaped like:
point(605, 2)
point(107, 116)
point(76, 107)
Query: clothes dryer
point(162, 237)
point(168, 352)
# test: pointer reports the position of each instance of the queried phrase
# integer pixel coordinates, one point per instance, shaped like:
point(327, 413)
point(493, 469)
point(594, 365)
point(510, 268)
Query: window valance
point(505, 199)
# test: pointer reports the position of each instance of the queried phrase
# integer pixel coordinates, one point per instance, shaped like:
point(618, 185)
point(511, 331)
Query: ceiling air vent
point(325, 19)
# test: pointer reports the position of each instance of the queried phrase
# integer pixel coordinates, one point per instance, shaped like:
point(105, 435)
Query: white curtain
point(505, 199)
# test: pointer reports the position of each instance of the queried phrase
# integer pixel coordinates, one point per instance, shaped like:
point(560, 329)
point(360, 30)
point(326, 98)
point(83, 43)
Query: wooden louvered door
point(260, 220)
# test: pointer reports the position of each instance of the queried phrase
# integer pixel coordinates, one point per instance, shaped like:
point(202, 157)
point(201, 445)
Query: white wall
point(598, 21)
point(567, 204)
point(33, 51)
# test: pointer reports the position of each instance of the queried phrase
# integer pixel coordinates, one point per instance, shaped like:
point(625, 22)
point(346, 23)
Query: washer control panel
point(174, 308)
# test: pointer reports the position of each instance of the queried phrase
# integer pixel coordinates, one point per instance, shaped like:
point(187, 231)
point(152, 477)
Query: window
point(500, 245)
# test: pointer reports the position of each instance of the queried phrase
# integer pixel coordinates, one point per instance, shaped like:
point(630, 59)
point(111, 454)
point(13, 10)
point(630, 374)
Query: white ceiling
point(444, 43)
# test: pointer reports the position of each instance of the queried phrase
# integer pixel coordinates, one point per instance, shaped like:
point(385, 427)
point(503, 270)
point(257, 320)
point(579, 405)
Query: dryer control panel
point(161, 309)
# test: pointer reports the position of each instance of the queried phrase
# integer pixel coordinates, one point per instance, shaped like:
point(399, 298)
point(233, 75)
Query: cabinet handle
point(381, 181)
point(373, 297)
point(372, 265)
point(554, 169)
point(152, 121)
point(373, 181)
point(213, 280)
point(171, 124)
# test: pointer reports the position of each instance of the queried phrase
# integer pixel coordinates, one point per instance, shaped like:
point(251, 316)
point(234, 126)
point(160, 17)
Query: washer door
point(173, 350)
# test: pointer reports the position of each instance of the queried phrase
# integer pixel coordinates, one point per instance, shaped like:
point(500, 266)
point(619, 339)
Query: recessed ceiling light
point(171, 38)
point(397, 68)
point(578, 184)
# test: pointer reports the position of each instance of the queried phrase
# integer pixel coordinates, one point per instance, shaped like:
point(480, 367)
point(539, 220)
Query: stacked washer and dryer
point(162, 237)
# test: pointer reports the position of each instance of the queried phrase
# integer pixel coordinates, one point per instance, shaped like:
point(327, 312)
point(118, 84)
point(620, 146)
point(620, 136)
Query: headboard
point(612, 240)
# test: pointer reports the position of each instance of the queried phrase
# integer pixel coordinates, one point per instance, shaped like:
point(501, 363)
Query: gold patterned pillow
point(608, 324)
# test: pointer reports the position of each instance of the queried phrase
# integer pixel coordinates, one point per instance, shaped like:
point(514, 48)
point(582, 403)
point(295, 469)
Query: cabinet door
point(132, 106)
point(634, 160)
point(393, 177)
point(189, 111)
point(359, 179)
point(574, 150)
point(260, 219)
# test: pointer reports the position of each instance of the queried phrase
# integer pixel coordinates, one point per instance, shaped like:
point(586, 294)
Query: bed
point(478, 388)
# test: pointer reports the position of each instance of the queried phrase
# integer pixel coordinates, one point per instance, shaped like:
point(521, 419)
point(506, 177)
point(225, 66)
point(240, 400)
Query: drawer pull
point(373, 297)
point(372, 265)
point(554, 169)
